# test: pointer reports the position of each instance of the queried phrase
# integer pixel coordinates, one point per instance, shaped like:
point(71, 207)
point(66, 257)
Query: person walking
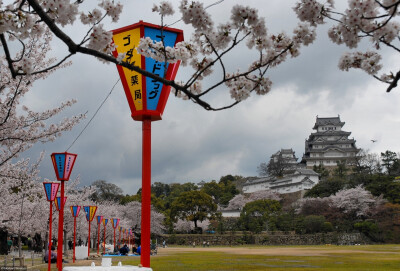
point(9, 244)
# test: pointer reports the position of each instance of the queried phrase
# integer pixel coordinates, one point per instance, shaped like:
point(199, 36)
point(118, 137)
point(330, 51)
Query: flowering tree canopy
point(22, 202)
point(205, 52)
point(210, 44)
point(239, 201)
point(356, 202)
point(368, 19)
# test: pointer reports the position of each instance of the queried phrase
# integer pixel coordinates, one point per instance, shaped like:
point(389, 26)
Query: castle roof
point(278, 185)
point(328, 121)
point(259, 180)
point(286, 177)
point(332, 142)
point(330, 133)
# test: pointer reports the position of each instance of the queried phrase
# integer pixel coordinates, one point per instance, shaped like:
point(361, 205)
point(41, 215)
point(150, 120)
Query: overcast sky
point(191, 144)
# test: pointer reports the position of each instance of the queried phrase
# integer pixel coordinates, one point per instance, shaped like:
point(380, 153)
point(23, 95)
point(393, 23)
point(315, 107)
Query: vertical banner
point(90, 212)
point(51, 190)
point(99, 219)
point(115, 222)
point(75, 210)
point(57, 202)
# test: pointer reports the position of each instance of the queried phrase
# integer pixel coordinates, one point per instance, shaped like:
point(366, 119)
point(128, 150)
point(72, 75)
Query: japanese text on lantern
point(127, 43)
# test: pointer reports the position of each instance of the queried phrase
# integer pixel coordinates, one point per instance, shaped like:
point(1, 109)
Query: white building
point(230, 213)
point(329, 144)
point(298, 180)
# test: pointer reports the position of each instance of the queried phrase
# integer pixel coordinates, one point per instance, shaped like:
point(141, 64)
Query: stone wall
point(235, 239)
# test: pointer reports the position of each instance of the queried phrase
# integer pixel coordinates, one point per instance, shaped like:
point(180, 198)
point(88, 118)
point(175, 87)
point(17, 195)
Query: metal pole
point(49, 248)
point(73, 256)
point(114, 239)
point(146, 193)
point(104, 239)
point(60, 229)
point(88, 250)
point(98, 238)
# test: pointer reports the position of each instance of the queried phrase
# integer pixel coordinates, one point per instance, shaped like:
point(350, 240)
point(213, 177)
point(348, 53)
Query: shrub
point(314, 223)
point(370, 229)
point(327, 227)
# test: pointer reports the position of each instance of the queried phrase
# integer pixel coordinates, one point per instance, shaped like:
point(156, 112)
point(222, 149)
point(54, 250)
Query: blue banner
point(87, 211)
point(60, 163)
point(153, 87)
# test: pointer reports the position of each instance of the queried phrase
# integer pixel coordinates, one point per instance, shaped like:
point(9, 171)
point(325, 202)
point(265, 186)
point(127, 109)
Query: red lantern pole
point(50, 243)
point(114, 240)
point(104, 238)
point(63, 164)
point(88, 250)
point(115, 222)
point(51, 192)
point(98, 239)
point(75, 212)
point(60, 229)
point(99, 220)
point(144, 107)
point(90, 213)
point(73, 254)
point(146, 193)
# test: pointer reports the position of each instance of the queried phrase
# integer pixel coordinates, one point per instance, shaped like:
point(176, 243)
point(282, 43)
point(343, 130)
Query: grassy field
point(363, 258)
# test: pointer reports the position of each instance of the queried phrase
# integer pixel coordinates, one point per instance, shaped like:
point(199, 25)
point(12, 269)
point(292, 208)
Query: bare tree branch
point(8, 56)
point(393, 84)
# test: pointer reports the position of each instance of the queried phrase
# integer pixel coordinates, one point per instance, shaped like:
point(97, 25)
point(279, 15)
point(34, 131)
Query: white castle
point(329, 144)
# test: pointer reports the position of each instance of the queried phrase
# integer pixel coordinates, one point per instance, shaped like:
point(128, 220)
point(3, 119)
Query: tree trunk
point(19, 228)
point(3, 242)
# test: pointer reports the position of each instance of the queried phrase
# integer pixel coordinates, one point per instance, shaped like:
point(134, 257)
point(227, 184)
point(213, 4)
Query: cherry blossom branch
point(243, 19)
point(10, 104)
point(53, 27)
point(199, 73)
point(10, 156)
point(7, 53)
point(395, 4)
point(360, 20)
point(393, 84)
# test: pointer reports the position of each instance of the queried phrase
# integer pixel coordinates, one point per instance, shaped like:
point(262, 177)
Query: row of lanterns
point(147, 98)
point(63, 164)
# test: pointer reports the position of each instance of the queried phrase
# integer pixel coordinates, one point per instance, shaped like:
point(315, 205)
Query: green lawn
point(362, 258)
point(223, 261)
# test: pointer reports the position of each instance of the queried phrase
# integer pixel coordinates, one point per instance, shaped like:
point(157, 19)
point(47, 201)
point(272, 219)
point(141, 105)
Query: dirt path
point(286, 251)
